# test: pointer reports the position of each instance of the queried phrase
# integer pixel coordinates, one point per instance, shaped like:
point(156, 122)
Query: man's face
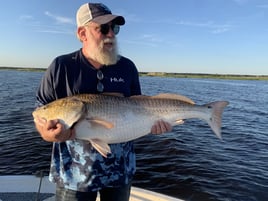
point(100, 47)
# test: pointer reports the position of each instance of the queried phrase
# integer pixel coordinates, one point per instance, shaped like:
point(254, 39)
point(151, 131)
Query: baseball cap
point(96, 12)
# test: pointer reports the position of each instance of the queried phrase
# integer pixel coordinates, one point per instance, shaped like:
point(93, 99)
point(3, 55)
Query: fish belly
point(126, 128)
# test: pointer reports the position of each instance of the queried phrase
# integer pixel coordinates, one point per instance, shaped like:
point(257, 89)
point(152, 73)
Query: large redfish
point(107, 119)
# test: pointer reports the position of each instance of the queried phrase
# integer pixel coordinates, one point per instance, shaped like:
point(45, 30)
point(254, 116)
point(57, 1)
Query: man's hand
point(161, 127)
point(53, 130)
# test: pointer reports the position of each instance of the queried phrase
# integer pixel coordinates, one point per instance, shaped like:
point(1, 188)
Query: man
point(78, 170)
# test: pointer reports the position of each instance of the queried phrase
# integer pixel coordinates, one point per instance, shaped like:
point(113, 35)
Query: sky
point(176, 36)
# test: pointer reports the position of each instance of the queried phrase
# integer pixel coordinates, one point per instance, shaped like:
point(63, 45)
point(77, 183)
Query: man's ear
point(81, 33)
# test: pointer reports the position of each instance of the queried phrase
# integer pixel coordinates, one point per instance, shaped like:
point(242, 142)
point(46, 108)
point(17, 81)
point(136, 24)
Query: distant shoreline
point(163, 74)
point(206, 76)
point(23, 69)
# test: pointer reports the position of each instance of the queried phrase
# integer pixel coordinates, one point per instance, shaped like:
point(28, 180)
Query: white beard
point(103, 55)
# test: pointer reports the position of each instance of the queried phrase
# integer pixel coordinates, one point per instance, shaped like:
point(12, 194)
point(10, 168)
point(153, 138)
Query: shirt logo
point(114, 79)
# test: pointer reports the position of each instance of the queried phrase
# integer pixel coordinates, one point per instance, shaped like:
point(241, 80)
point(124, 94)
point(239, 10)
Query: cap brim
point(104, 19)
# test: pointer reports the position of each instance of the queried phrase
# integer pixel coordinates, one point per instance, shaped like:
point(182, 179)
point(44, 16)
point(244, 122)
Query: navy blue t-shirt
point(75, 164)
point(72, 74)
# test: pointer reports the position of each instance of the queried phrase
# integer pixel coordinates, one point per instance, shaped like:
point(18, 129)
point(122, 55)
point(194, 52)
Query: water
point(189, 163)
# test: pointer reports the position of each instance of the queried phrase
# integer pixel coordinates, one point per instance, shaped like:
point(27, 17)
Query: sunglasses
point(100, 77)
point(105, 28)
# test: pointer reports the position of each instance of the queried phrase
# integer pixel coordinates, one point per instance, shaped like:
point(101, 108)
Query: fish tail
point(216, 116)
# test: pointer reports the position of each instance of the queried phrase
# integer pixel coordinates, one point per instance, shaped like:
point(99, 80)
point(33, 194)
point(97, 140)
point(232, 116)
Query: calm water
point(189, 163)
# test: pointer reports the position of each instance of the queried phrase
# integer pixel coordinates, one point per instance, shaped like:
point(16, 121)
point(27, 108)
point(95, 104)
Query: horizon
point(150, 73)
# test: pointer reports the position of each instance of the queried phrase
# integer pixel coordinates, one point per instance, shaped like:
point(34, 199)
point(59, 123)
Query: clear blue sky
point(184, 36)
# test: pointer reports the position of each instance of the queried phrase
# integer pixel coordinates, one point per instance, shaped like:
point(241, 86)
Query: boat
point(31, 187)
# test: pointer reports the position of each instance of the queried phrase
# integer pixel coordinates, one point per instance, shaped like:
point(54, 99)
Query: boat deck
point(26, 188)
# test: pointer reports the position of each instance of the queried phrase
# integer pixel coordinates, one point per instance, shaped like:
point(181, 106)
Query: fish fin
point(179, 122)
point(167, 96)
point(102, 147)
point(100, 122)
point(140, 96)
point(174, 96)
point(113, 94)
point(216, 116)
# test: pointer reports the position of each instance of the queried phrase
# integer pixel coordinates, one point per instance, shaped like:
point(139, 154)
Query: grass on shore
point(206, 76)
point(163, 74)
